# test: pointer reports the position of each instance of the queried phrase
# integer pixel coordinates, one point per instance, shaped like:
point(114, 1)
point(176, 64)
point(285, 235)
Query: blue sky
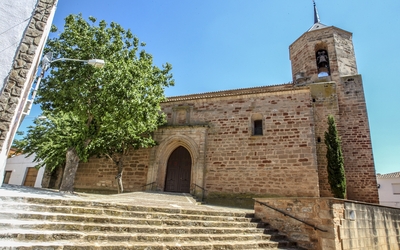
point(227, 44)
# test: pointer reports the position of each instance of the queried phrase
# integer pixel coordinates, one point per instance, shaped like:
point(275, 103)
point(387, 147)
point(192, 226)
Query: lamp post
point(46, 61)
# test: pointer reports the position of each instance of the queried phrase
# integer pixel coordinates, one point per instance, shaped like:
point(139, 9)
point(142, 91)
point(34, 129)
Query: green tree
point(336, 173)
point(51, 137)
point(117, 107)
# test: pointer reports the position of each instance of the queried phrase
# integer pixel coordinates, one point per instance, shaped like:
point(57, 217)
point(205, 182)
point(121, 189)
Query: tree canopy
point(106, 110)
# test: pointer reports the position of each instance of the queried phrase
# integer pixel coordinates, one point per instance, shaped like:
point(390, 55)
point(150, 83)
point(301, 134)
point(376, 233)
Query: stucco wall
point(14, 19)
point(386, 195)
point(19, 166)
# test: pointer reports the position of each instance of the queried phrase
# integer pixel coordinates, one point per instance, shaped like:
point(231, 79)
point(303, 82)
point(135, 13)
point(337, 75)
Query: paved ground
point(152, 199)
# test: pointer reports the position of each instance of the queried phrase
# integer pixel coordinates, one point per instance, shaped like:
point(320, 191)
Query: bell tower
point(322, 53)
point(323, 59)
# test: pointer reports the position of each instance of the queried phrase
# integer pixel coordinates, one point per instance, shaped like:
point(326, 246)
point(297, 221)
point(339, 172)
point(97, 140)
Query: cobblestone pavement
point(150, 199)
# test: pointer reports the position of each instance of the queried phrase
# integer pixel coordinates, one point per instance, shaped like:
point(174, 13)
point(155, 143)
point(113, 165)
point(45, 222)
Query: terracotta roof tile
point(234, 92)
point(389, 175)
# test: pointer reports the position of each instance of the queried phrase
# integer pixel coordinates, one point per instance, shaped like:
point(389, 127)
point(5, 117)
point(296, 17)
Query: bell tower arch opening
point(322, 60)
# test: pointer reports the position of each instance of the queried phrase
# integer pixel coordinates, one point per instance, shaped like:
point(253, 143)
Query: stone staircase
point(56, 223)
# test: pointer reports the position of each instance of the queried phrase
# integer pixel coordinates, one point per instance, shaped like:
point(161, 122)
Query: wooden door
point(178, 171)
point(30, 177)
point(7, 176)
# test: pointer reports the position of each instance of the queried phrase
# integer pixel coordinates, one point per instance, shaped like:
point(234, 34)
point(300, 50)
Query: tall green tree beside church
point(334, 156)
point(112, 109)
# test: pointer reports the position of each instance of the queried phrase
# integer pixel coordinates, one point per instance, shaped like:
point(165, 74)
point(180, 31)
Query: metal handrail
point(149, 184)
point(293, 217)
point(202, 188)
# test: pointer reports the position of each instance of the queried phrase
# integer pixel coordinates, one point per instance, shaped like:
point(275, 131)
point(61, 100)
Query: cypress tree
point(336, 174)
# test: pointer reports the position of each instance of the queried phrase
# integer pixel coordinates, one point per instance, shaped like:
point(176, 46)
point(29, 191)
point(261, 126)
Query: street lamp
point(46, 61)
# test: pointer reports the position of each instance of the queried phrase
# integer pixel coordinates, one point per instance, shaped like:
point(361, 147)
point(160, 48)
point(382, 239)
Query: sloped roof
point(236, 92)
point(389, 175)
point(317, 26)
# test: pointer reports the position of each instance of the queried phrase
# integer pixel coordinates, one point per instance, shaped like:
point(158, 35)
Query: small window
point(258, 128)
point(396, 188)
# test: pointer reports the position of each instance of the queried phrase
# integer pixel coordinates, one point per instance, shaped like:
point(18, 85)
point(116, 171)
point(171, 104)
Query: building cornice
point(237, 92)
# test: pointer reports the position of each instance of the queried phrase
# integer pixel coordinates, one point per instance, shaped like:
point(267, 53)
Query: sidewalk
point(148, 199)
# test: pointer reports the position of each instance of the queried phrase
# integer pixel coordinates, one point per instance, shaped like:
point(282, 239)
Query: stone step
point(114, 245)
point(4, 200)
point(10, 224)
point(44, 223)
point(49, 235)
point(14, 206)
point(117, 220)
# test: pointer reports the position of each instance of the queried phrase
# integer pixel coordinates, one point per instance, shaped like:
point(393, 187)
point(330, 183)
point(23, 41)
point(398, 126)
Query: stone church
point(259, 142)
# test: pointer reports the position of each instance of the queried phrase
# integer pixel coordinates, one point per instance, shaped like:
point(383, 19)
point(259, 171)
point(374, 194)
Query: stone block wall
point(280, 162)
point(340, 50)
point(369, 227)
point(335, 224)
point(193, 138)
point(345, 101)
point(324, 103)
point(345, 55)
point(98, 174)
point(287, 160)
point(356, 141)
point(350, 107)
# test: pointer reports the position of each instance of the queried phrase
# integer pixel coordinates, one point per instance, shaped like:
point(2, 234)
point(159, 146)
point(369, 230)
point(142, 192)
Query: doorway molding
point(193, 138)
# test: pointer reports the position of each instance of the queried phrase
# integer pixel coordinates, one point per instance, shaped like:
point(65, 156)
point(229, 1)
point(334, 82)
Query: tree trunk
point(72, 162)
point(119, 175)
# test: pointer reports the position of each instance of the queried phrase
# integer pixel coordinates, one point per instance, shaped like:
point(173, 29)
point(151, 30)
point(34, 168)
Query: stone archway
point(192, 139)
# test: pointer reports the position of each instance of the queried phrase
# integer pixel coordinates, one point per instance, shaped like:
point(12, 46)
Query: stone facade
point(263, 141)
point(332, 224)
point(99, 173)
point(346, 103)
point(24, 59)
point(239, 163)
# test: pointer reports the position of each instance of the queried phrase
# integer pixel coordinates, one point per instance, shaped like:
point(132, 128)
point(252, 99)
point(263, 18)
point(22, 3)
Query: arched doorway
point(179, 169)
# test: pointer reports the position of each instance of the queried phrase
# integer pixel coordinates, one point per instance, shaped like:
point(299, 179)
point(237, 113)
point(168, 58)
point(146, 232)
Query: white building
point(20, 170)
point(24, 27)
point(389, 189)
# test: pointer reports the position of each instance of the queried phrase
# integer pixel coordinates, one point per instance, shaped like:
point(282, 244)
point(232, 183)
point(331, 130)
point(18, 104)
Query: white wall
point(385, 190)
point(15, 16)
point(19, 166)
